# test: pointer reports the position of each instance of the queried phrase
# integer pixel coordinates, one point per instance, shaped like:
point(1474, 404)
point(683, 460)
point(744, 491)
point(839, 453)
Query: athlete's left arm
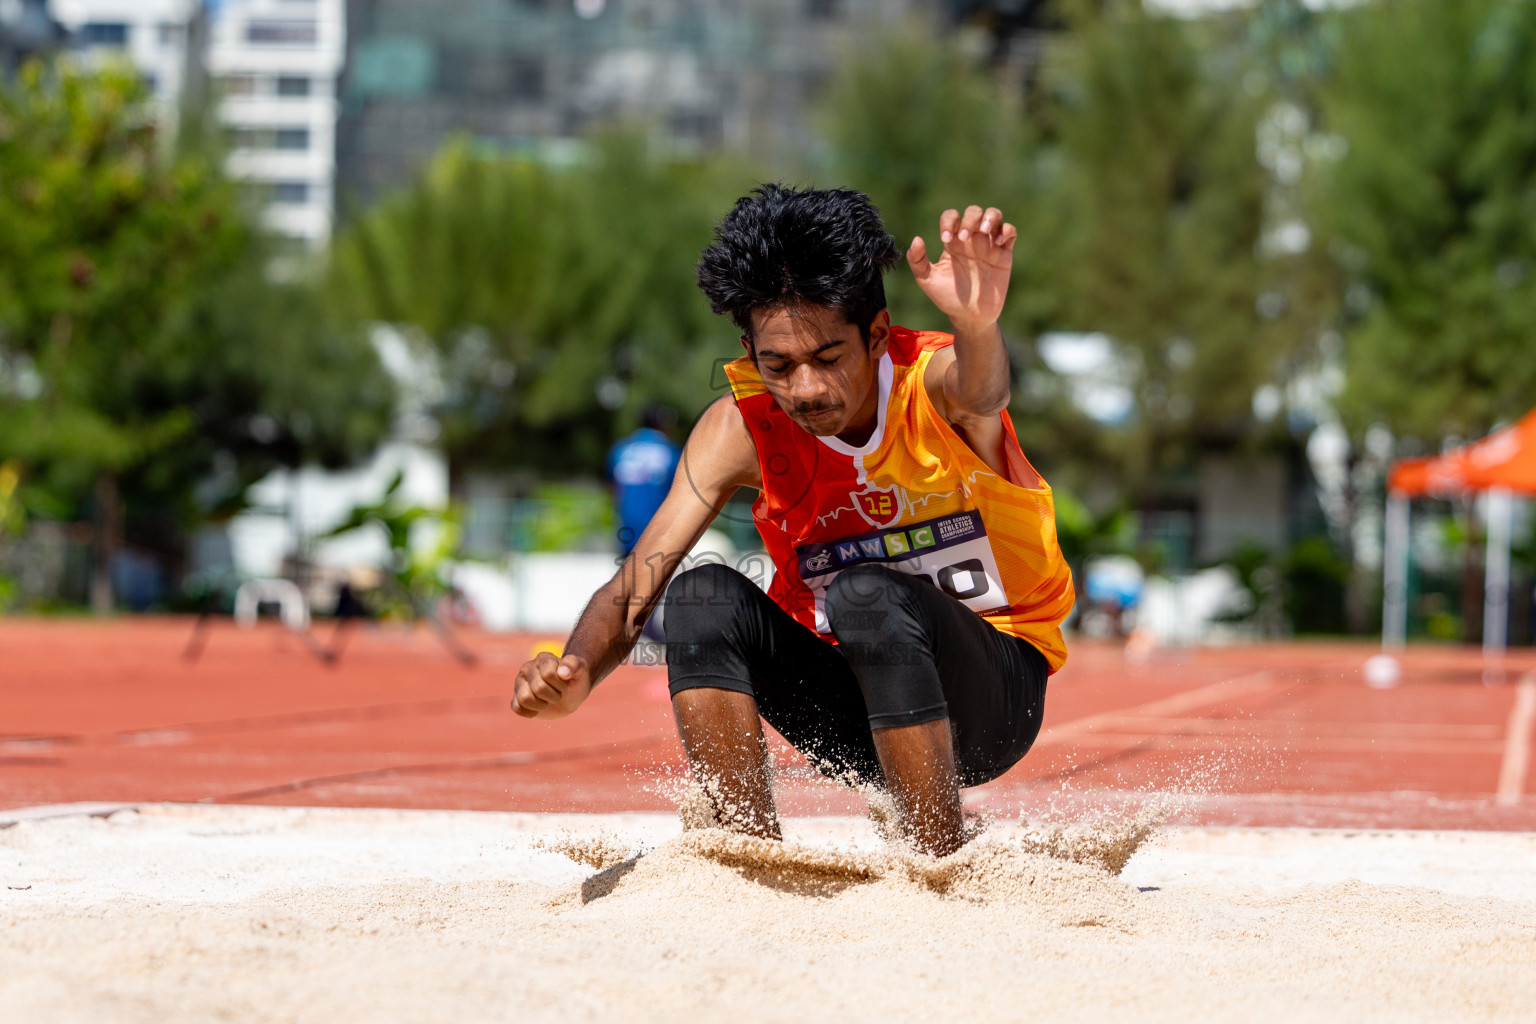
point(970, 381)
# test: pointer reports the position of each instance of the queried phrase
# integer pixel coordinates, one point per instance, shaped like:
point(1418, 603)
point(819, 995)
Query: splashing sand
point(185, 915)
point(599, 851)
point(1059, 873)
point(1107, 844)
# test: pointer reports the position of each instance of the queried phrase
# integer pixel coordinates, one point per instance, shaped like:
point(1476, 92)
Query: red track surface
point(1277, 734)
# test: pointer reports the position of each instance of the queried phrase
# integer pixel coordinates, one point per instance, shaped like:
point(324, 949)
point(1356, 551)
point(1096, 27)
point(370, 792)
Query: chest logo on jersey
point(952, 552)
point(880, 506)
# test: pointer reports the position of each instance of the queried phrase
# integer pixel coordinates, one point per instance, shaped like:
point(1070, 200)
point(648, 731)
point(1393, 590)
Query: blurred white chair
point(291, 606)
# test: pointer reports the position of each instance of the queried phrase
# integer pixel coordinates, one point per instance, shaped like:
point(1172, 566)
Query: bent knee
point(863, 584)
point(697, 599)
point(862, 590)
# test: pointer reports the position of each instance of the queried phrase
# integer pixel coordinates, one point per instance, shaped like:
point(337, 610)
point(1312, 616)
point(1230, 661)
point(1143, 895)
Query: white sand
point(174, 913)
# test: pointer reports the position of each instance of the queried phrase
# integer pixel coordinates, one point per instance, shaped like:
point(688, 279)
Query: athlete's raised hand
point(551, 687)
point(970, 281)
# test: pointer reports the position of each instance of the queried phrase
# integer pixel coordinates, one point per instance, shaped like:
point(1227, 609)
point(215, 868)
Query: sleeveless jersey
point(914, 497)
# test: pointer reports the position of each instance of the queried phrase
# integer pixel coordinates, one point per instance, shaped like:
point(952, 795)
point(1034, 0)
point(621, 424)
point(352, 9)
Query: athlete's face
point(818, 368)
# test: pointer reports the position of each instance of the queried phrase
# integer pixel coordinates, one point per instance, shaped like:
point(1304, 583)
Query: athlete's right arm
point(718, 459)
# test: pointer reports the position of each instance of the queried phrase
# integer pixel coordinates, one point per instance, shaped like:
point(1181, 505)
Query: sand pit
point(173, 913)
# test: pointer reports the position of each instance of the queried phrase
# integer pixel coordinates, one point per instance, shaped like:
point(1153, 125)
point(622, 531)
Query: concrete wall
point(1241, 501)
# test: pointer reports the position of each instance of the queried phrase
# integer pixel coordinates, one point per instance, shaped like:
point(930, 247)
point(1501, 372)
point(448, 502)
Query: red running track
point(1271, 734)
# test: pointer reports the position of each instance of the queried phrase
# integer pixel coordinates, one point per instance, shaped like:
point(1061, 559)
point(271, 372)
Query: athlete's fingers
point(949, 220)
point(547, 691)
point(546, 682)
point(524, 703)
point(991, 220)
point(538, 685)
point(569, 665)
point(969, 222)
point(917, 256)
point(1006, 237)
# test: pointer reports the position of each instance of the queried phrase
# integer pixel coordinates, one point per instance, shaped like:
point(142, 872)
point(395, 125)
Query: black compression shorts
point(907, 653)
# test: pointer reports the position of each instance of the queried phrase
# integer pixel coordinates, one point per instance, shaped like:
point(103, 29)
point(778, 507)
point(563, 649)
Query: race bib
point(952, 552)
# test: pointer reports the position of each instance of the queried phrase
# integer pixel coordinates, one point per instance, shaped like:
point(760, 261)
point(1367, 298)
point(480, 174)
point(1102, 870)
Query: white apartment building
point(274, 64)
point(152, 34)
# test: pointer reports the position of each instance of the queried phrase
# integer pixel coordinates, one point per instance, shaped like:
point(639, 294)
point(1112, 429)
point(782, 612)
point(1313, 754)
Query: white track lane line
point(1517, 743)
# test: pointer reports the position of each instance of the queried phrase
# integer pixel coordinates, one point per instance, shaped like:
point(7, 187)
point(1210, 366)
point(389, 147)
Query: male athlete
point(918, 590)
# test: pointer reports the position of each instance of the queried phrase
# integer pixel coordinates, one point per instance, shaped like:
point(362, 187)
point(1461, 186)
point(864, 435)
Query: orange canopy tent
point(1505, 458)
point(1502, 464)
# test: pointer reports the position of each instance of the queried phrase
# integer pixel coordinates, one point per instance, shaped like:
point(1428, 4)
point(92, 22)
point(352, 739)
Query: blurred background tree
point(552, 303)
point(1282, 224)
point(1164, 212)
point(921, 125)
point(141, 347)
point(1431, 211)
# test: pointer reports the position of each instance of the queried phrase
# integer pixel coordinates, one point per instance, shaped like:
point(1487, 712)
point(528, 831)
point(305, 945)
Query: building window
point(292, 85)
point(290, 193)
point(170, 33)
point(104, 33)
point(698, 126)
point(528, 78)
point(292, 139)
point(282, 33)
point(1171, 531)
point(239, 85)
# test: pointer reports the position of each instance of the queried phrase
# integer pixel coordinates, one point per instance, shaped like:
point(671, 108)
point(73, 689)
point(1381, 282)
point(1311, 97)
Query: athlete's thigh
point(994, 686)
point(806, 690)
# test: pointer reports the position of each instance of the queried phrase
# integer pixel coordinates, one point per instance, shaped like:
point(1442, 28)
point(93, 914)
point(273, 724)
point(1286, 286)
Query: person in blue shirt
point(641, 467)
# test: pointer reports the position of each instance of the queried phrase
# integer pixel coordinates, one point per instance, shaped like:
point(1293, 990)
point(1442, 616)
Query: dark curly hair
point(784, 247)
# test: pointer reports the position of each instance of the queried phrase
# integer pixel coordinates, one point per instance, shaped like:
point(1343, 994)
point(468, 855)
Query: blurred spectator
point(1114, 588)
point(642, 466)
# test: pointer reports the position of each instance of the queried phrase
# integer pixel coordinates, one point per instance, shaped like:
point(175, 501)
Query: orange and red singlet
point(914, 497)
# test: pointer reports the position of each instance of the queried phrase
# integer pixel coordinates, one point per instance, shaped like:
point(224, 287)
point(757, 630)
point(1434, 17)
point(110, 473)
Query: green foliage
point(273, 381)
point(146, 354)
point(1256, 572)
point(143, 340)
point(1141, 204)
point(921, 127)
point(563, 517)
point(1315, 577)
point(1082, 534)
point(101, 239)
point(529, 287)
point(13, 519)
point(13, 516)
point(1442, 624)
point(415, 570)
point(1164, 210)
point(1432, 208)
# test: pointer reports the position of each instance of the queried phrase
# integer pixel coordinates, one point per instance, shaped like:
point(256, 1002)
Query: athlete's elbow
point(989, 402)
